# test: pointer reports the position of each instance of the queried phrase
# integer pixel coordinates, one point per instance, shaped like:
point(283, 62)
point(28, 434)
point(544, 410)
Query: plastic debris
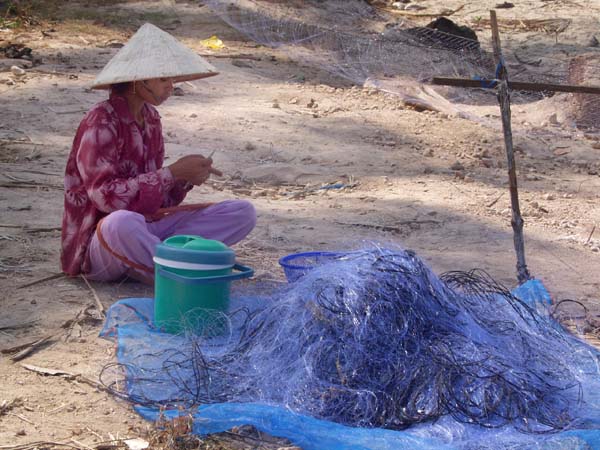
point(213, 42)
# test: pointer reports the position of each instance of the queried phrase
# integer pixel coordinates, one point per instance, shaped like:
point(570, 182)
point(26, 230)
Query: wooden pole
point(517, 85)
point(504, 100)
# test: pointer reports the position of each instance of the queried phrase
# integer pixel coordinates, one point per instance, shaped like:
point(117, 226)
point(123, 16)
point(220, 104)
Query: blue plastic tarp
point(130, 321)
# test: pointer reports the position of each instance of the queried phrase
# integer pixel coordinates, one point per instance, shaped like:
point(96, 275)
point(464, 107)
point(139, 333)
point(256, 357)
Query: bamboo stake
point(504, 101)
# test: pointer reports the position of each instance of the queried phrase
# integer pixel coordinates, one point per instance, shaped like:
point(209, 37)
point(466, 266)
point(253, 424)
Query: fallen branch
point(16, 348)
point(46, 371)
point(42, 280)
point(493, 202)
point(67, 111)
point(547, 25)
point(38, 172)
point(19, 416)
point(30, 348)
point(6, 406)
point(81, 445)
point(30, 185)
point(13, 142)
point(8, 237)
point(96, 298)
point(253, 441)
point(254, 58)
point(517, 85)
point(68, 376)
point(94, 433)
point(21, 351)
point(58, 408)
point(30, 229)
point(36, 445)
point(444, 12)
point(82, 317)
point(19, 268)
point(591, 234)
point(41, 229)
point(49, 72)
point(248, 435)
point(19, 325)
point(387, 227)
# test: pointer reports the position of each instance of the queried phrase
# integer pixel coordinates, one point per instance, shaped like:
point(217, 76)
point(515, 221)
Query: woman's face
point(155, 91)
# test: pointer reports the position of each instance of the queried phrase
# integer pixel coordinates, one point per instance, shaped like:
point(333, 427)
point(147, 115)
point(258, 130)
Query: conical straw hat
point(153, 53)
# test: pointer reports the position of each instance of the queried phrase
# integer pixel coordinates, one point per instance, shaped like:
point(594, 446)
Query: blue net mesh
point(372, 341)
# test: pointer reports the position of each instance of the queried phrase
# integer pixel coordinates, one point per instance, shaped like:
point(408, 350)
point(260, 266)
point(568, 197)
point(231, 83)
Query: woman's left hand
point(195, 169)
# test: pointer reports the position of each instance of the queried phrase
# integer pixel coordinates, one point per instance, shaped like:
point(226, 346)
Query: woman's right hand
point(194, 169)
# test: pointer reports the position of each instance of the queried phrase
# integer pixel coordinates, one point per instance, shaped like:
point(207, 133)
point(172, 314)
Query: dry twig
point(31, 348)
point(21, 417)
point(67, 376)
point(252, 57)
point(37, 172)
point(493, 202)
point(42, 280)
point(388, 227)
point(30, 229)
point(96, 298)
point(83, 316)
point(591, 234)
point(37, 445)
point(19, 325)
point(6, 406)
point(444, 12)
point(30, 185)
point(172, 433)
point(81, 445)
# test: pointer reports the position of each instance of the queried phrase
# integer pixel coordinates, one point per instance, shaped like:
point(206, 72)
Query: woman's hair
point(120, 88)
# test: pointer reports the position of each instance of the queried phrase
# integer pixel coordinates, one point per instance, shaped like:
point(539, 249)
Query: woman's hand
point(195, 169)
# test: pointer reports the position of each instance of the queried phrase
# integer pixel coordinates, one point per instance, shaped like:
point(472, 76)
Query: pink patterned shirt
point(114, 164)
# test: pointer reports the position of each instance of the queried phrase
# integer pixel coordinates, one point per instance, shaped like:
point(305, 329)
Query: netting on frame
point(371, 47)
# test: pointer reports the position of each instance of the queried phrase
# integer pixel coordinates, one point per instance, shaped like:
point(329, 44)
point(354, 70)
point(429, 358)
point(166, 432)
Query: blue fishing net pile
point(373, 339)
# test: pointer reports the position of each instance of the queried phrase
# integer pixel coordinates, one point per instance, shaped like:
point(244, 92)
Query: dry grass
point(175, 434)
point(24, 13)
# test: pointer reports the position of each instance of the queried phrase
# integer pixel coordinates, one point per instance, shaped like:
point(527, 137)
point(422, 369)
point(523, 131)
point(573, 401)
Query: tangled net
point(375, 339)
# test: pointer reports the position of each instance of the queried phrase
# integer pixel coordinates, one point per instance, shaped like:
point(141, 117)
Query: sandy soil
point(427, 181)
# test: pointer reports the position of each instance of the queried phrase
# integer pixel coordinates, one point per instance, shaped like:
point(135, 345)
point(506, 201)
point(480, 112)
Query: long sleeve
point(114, 164)
point(111, 180)
point(178, 189)
point(177, 193)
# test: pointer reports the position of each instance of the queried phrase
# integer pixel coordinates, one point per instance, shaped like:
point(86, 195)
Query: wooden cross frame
point(504, 86)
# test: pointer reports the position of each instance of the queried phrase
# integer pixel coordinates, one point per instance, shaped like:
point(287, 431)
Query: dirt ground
point(427, 181)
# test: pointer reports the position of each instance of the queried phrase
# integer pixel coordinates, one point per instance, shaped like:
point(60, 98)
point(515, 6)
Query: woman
point(119, 199)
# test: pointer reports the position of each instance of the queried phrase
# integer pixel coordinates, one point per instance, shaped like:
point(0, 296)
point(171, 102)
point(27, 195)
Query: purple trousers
point(124, 243)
